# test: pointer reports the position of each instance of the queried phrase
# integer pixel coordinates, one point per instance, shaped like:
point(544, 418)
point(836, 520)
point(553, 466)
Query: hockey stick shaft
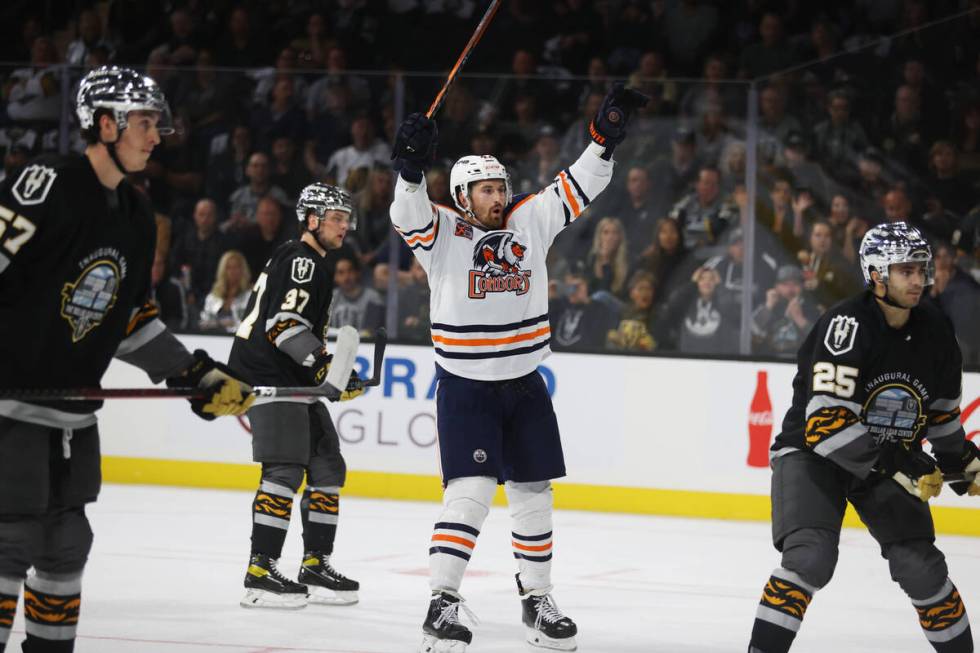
point(380, 342)
point(477, 35)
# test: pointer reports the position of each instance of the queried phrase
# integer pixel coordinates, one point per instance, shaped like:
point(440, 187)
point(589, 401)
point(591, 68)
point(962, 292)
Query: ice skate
point(442, 630)
point(545, 626)
point(267, 588)
point(327, 585)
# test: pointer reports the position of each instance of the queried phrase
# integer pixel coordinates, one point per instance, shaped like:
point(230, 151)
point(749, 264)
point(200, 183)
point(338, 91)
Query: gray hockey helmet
point(320, 198)
point(896, 242)
point(120, 90)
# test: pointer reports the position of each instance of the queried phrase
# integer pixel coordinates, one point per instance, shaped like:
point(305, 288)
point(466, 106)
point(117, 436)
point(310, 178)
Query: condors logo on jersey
point(497, 261)
point(84, 304)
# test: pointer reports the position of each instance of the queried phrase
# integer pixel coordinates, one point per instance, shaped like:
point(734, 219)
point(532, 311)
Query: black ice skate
point(327, 585)
point(546, 627)
point(267, 588)
point(442, 631)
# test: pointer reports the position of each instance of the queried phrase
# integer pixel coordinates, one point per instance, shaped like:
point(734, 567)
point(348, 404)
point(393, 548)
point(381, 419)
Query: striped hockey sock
point(271, 509)
point(449, 552)
point(51, 606)
point(320, 509)
point(780, 612)
point(944, 621)
point(533, 554)
point(9, 591)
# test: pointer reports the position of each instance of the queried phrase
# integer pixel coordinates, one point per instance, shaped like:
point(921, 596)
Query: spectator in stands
point(196, 250)
point(837, 139)
point(174, 172)
point(184, 40)
point(353, 303)
point(168, 295)
point(239, 46)
point(677, 173)
point(787, 217)
point(780, 325)
point(208, 99)
point(34, 93)
point(244, 202)
point(844, 227)
point(288, 171)
point(16, 157)
point(437, 184)
point(966, 135)
point(224, 307)
point(704, 215)
point(636, 210)
point(607, 263)
point(576, 137)
point(651, 74)
point(337, 79)
point(414, 324)
point(903, 135)
point(945, 183)
point(898, 206)
point(311, 48)
point(365, 151)
point(958, 295)
point(543, 163)
point(871, 184)
point(690, 30)
point(228, 156)
point(636, 324)
point(371, 206)
point(577, 322)
point(580, 32)
point(730, 266)
point(712, 134)
point(699, 323)
point(257, 242)
point(666, 258)
point(286, 66)
point(731, 165)
point(281, 116)
point(775, 125)
point(713, 89)
point(458, 121)
point(88, 36)
point(827, 276)
point(805, 173)
point(771, 54)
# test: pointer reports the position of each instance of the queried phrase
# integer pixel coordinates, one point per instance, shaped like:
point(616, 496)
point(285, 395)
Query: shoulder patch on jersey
point(840, 335)
point(34, 184)
point(464, 229)
point(302, 271)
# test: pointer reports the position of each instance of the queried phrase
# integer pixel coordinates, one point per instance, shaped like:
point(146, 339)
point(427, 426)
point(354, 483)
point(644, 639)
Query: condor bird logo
point(497, 261)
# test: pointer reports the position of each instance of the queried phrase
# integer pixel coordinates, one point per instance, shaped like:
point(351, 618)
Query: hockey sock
point(320, 509)
point(944, 621)
point(51, 605)
point(466, 502)
point(271, 509)
point(531, 535)
point(9, 591)
point(780, 612)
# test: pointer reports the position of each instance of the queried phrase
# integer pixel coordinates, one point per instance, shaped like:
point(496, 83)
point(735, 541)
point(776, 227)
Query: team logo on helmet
point(497, 259)
point(85, 303)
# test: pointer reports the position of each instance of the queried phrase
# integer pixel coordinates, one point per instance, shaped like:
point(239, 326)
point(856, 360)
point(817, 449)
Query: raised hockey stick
point(477, 35)
point(345, 353)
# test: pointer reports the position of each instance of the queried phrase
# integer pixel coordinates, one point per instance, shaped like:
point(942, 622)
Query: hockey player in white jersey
point(485, 260)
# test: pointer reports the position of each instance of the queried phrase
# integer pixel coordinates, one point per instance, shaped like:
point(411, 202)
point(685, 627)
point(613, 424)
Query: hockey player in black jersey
point(878, 373)
point(281, 342)
point(76, 249)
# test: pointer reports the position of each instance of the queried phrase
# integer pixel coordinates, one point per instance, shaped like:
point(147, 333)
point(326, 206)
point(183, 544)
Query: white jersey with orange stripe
point(489, 289)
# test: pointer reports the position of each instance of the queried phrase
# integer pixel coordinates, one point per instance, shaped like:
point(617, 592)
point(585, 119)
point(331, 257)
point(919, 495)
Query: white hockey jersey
point(489, 289)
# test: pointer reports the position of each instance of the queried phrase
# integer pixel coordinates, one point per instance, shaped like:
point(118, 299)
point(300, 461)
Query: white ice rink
point(166, 575)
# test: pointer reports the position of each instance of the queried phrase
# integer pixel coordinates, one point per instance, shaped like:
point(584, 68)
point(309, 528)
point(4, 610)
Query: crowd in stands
point(270, 96)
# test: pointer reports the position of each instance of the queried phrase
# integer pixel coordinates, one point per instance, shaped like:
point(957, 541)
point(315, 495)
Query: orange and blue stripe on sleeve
point(571, 194)
point(423, 238)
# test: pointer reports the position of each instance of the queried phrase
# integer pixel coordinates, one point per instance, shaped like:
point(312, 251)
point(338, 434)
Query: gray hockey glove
point(915, 471)
point(967, 463)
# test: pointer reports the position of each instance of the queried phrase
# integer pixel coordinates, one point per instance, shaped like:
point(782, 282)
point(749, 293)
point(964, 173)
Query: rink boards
point(641, 435)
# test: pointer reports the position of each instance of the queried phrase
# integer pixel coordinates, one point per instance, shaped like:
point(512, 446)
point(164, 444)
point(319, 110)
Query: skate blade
point(323, 596)
point(539, 640)
point(432, 645)
point(271, 600)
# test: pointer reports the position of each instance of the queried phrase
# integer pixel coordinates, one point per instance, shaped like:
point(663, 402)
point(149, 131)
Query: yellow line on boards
point(569, 496)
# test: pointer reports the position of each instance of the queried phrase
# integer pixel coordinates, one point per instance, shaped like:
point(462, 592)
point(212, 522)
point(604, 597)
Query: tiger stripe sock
point(51, 607)
point(9, 591)
point(780, 613)
point(320, 509)
point(271, 510)
point(944, 621)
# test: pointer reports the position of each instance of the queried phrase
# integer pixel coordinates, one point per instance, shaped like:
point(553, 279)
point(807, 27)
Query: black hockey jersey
point(292, 293)
point(75, 260)
point(862, 385)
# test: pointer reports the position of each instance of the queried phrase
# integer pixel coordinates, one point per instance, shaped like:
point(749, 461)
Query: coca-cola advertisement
point(760, 422)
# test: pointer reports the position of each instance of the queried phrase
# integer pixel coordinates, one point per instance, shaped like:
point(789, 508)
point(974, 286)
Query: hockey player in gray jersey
point(878, 373)
point(281, 342)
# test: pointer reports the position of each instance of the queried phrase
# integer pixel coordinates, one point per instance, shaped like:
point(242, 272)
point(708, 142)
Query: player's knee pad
point(327, 471)
point(278, 477)
point(467, 500)
point(67, 541)
point(812, 554)
point(20, 538)
point(917, 566)
point(529, 500)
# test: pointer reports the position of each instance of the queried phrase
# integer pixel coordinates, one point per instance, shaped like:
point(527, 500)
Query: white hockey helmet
point(320, 198)
point(896, 242)
point(120, 90)
point(475, 168)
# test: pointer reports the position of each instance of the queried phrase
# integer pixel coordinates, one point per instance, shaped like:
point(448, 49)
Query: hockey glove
point(967, 463)
point(915, 471)
point(321, 367)
point(608, 128)
point(415, 146)
point(224, 394)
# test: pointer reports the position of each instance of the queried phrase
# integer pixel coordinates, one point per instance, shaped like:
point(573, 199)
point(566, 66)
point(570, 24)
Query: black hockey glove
point(224, 393)
point(415, 146)
point(608, 128)
point(915, 471)
point(321, 366)
point(966, 463)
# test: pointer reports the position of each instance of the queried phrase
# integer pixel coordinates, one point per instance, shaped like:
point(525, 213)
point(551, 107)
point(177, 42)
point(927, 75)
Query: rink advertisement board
point(640, 434)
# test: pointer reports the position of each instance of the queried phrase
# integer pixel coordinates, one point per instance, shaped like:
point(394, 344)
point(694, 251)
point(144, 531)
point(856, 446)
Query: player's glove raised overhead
point(223, 393)
point(915, 471)
point(415, 146)
point(967, 463)
point(321, 367)
point(608, 128)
